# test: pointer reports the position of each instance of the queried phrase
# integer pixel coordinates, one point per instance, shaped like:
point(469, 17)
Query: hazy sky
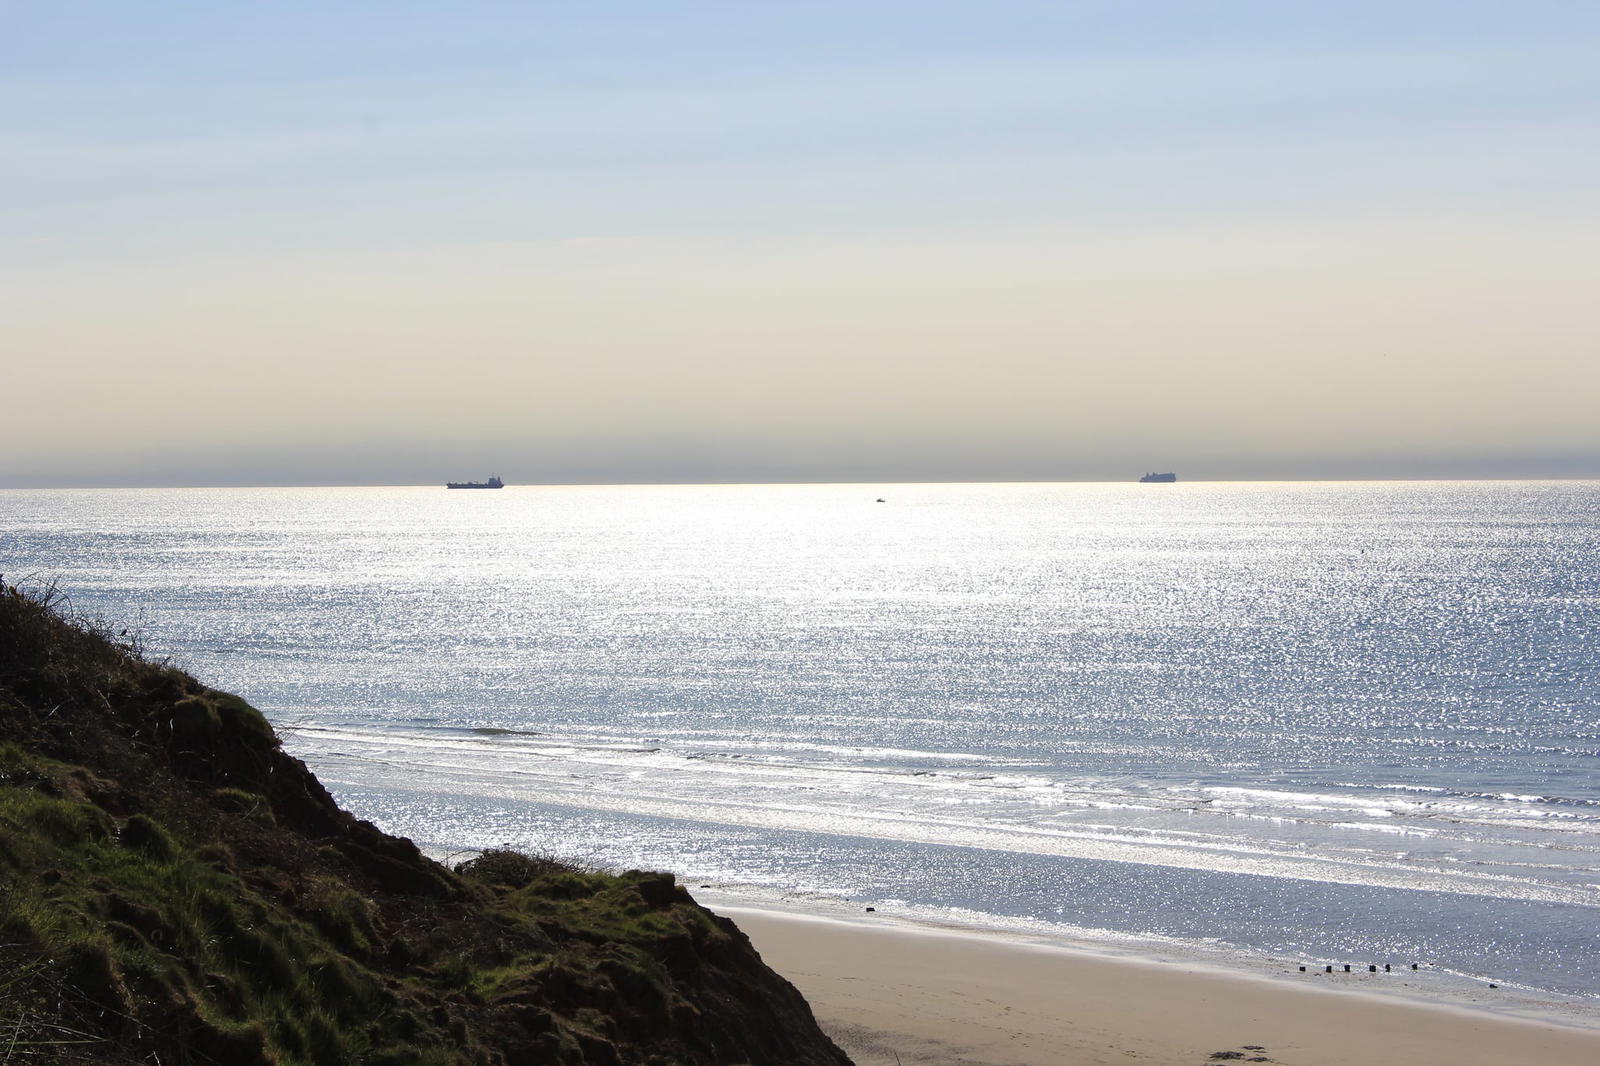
point(397, 242)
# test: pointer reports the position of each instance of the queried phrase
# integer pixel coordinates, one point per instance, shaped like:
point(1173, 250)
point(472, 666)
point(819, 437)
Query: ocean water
point(1324, 722)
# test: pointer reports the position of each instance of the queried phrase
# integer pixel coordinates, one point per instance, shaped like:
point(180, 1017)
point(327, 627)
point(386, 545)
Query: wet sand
point(902, 995)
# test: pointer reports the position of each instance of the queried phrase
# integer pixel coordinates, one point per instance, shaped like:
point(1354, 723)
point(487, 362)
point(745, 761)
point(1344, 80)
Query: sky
point(394, 242)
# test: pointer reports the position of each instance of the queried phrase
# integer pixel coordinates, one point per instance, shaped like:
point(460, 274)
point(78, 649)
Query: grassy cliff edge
point(175, 888)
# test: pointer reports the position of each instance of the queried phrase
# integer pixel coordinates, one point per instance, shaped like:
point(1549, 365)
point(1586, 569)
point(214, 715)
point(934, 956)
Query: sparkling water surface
point(1342, 721)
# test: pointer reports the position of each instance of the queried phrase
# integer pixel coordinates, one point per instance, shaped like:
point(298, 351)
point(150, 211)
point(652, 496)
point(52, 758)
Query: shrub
point(510, 869)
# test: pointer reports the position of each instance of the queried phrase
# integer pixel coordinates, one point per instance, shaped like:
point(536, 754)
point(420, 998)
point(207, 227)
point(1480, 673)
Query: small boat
point(494, 482)
point(1158, 479)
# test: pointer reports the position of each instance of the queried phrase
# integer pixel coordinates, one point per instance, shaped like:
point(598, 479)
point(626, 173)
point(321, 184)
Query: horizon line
point(756, 482)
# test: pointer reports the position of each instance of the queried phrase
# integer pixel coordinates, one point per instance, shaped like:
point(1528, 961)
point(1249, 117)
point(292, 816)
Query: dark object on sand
point(872, 908)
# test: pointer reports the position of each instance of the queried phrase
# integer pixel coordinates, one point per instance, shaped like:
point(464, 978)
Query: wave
point(859, 792)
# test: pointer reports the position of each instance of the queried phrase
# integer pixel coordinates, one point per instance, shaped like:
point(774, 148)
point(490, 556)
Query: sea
point(1262, 725)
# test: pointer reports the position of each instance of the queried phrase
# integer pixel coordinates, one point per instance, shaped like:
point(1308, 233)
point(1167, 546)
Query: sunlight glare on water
point(1277, 715)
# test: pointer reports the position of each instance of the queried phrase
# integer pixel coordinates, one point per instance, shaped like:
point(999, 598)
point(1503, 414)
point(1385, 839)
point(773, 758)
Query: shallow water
point(1346, 721)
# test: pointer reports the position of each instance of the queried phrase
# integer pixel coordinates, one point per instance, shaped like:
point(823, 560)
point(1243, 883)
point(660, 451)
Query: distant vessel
point(494, 482)
point(1158, 479)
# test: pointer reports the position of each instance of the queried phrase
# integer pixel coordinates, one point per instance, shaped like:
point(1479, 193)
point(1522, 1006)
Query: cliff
point(175, 888)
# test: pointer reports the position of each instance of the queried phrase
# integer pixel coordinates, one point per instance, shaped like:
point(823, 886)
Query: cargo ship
point(1158, 479)
point(494, 482)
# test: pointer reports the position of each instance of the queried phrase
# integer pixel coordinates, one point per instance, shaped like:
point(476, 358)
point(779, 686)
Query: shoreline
point(1432, 987)
point(890, 990)
point(1429, 987)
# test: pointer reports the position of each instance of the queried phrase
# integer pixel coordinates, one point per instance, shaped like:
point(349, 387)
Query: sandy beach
point(901, 995)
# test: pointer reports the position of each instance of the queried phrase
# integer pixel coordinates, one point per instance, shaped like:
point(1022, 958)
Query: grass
point(174, 888)
point(130, 913)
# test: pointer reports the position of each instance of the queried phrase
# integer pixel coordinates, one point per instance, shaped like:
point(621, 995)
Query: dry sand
point(893, 994)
